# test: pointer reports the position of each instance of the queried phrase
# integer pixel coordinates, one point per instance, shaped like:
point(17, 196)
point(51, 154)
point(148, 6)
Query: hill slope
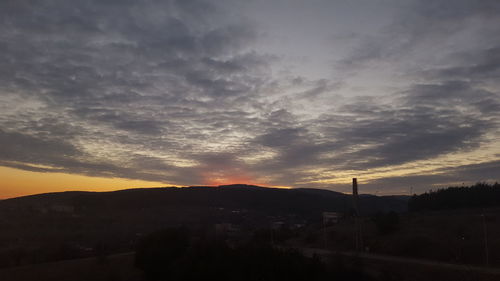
point(303, 201)
point(64, 225)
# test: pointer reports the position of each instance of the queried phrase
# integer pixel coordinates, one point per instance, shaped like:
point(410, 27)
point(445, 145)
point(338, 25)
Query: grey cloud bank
point(189, 92)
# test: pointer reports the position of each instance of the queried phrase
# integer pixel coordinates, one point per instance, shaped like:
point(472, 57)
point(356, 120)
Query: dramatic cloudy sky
point(112, 93)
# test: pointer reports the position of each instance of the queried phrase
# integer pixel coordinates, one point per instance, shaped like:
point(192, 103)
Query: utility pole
point(324, 234)
point(485, 232)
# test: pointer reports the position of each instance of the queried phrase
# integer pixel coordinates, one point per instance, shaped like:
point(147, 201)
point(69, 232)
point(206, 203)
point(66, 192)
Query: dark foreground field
point(121, 267)
point(56, 236)
point(118, 267)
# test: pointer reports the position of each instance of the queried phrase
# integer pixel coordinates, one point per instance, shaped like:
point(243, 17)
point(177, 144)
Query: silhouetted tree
point(479, 195)
point(157, 253)
point(386, 222)
point(171, 255)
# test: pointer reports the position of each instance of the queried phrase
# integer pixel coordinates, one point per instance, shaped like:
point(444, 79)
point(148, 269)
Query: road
point(409, 261)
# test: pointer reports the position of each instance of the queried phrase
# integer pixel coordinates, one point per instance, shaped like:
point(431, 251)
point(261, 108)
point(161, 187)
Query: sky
point(108, 94)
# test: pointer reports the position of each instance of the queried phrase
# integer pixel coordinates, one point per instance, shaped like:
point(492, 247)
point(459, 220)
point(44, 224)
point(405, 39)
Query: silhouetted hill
point(272, 201)
point(65, 225)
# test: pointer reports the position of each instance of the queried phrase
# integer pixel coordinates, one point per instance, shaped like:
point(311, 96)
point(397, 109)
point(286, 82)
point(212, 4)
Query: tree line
point(480, 195)
point(176, 254)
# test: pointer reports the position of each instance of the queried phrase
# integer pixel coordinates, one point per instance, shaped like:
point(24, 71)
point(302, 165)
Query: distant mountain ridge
point(306, 201)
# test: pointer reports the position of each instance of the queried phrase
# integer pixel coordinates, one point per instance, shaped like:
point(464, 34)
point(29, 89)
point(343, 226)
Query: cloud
point(473, 66)
point(445, 177)
point(427, 26)
point(25, 148)
point(179, 92)
point(134, 74)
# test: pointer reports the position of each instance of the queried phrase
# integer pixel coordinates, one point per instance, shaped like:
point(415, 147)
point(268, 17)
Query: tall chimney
point(355, 196)
point(358, 234)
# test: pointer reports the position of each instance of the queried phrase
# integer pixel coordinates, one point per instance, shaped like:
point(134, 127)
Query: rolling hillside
point(57, 226)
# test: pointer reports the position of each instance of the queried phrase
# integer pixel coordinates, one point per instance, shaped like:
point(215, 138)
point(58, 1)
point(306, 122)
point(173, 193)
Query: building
point(330, 218)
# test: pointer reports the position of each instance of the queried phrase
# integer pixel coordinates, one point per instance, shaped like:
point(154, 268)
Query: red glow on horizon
point(228, 177)
point(214, 181)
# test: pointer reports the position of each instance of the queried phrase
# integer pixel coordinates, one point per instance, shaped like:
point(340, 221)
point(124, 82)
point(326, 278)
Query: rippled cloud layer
point(198, 92)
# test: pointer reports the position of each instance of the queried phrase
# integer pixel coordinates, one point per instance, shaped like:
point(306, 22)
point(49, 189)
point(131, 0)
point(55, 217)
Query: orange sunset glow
point(19, 183)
